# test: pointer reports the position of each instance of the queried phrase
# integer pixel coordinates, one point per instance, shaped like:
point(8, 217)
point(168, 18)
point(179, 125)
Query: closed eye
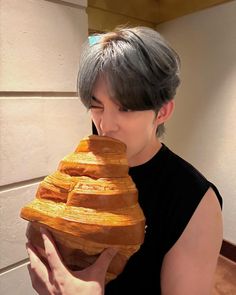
point(95, 104)
point(95, 107)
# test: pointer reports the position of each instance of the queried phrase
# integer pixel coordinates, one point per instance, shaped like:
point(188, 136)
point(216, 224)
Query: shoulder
point(186, 189)
point(184, 177)
point(182, 169)
point(184, 173)
point(191, 261)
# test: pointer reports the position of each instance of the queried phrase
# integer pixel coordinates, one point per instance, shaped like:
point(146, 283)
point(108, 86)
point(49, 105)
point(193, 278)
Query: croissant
point(90, 203)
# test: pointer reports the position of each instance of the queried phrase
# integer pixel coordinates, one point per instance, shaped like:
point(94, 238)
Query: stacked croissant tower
point(90, 203)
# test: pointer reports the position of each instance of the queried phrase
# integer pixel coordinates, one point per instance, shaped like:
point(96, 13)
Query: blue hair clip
point(94, 39)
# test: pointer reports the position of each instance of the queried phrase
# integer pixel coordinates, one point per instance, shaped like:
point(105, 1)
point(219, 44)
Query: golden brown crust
point(101, 145)
point(103, 193)
point(96, 156)
point(90, 203)
point(56, 187)
point(92, 170)
point(109, 227)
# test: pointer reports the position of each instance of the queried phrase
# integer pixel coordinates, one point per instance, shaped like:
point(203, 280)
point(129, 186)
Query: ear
point(165, 112)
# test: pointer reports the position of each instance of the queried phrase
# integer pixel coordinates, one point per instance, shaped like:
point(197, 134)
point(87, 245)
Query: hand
point(55, 278)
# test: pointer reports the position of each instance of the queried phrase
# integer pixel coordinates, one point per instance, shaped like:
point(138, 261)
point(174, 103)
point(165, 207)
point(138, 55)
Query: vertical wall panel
point(40, 45)
point(202, 129)
point(16, 282)
point(37, 133)
point(12, 230)
point(41, 119)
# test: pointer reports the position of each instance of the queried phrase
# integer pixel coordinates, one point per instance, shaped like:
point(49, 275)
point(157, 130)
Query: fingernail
point(43, 231)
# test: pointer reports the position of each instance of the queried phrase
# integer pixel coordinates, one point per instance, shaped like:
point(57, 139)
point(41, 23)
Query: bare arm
point(189, 266)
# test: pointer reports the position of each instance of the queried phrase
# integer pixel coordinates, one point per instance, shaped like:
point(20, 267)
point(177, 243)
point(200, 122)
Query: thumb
point(104, 260)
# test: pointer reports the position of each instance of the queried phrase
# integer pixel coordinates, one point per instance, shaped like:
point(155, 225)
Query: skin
point(52, 277)
point(188, 267)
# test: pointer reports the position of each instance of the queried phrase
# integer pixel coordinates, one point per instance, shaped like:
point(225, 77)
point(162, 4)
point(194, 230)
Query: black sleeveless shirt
point(170, 190)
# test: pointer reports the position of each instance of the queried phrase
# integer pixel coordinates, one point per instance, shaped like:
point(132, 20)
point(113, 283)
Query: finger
point(104, 260)
point(41, 252)
point(54, 259)
point(40, 287)
point(37, 269)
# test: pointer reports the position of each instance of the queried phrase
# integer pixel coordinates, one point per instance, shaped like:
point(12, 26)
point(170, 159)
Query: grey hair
point(141, 69)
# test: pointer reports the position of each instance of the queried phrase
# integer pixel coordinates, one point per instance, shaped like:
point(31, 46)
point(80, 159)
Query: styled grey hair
point(141, 69)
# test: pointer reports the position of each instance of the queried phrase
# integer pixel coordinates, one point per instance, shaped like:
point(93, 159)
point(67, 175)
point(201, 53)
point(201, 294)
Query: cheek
point(139, 134)
point(141, 129)
point(134, 138)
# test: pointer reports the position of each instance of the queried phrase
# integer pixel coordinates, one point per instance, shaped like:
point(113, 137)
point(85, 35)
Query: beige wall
point(41, 118)
point(202, 129)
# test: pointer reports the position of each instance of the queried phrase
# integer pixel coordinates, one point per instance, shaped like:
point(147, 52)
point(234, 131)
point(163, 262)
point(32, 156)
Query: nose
point(108, 123)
